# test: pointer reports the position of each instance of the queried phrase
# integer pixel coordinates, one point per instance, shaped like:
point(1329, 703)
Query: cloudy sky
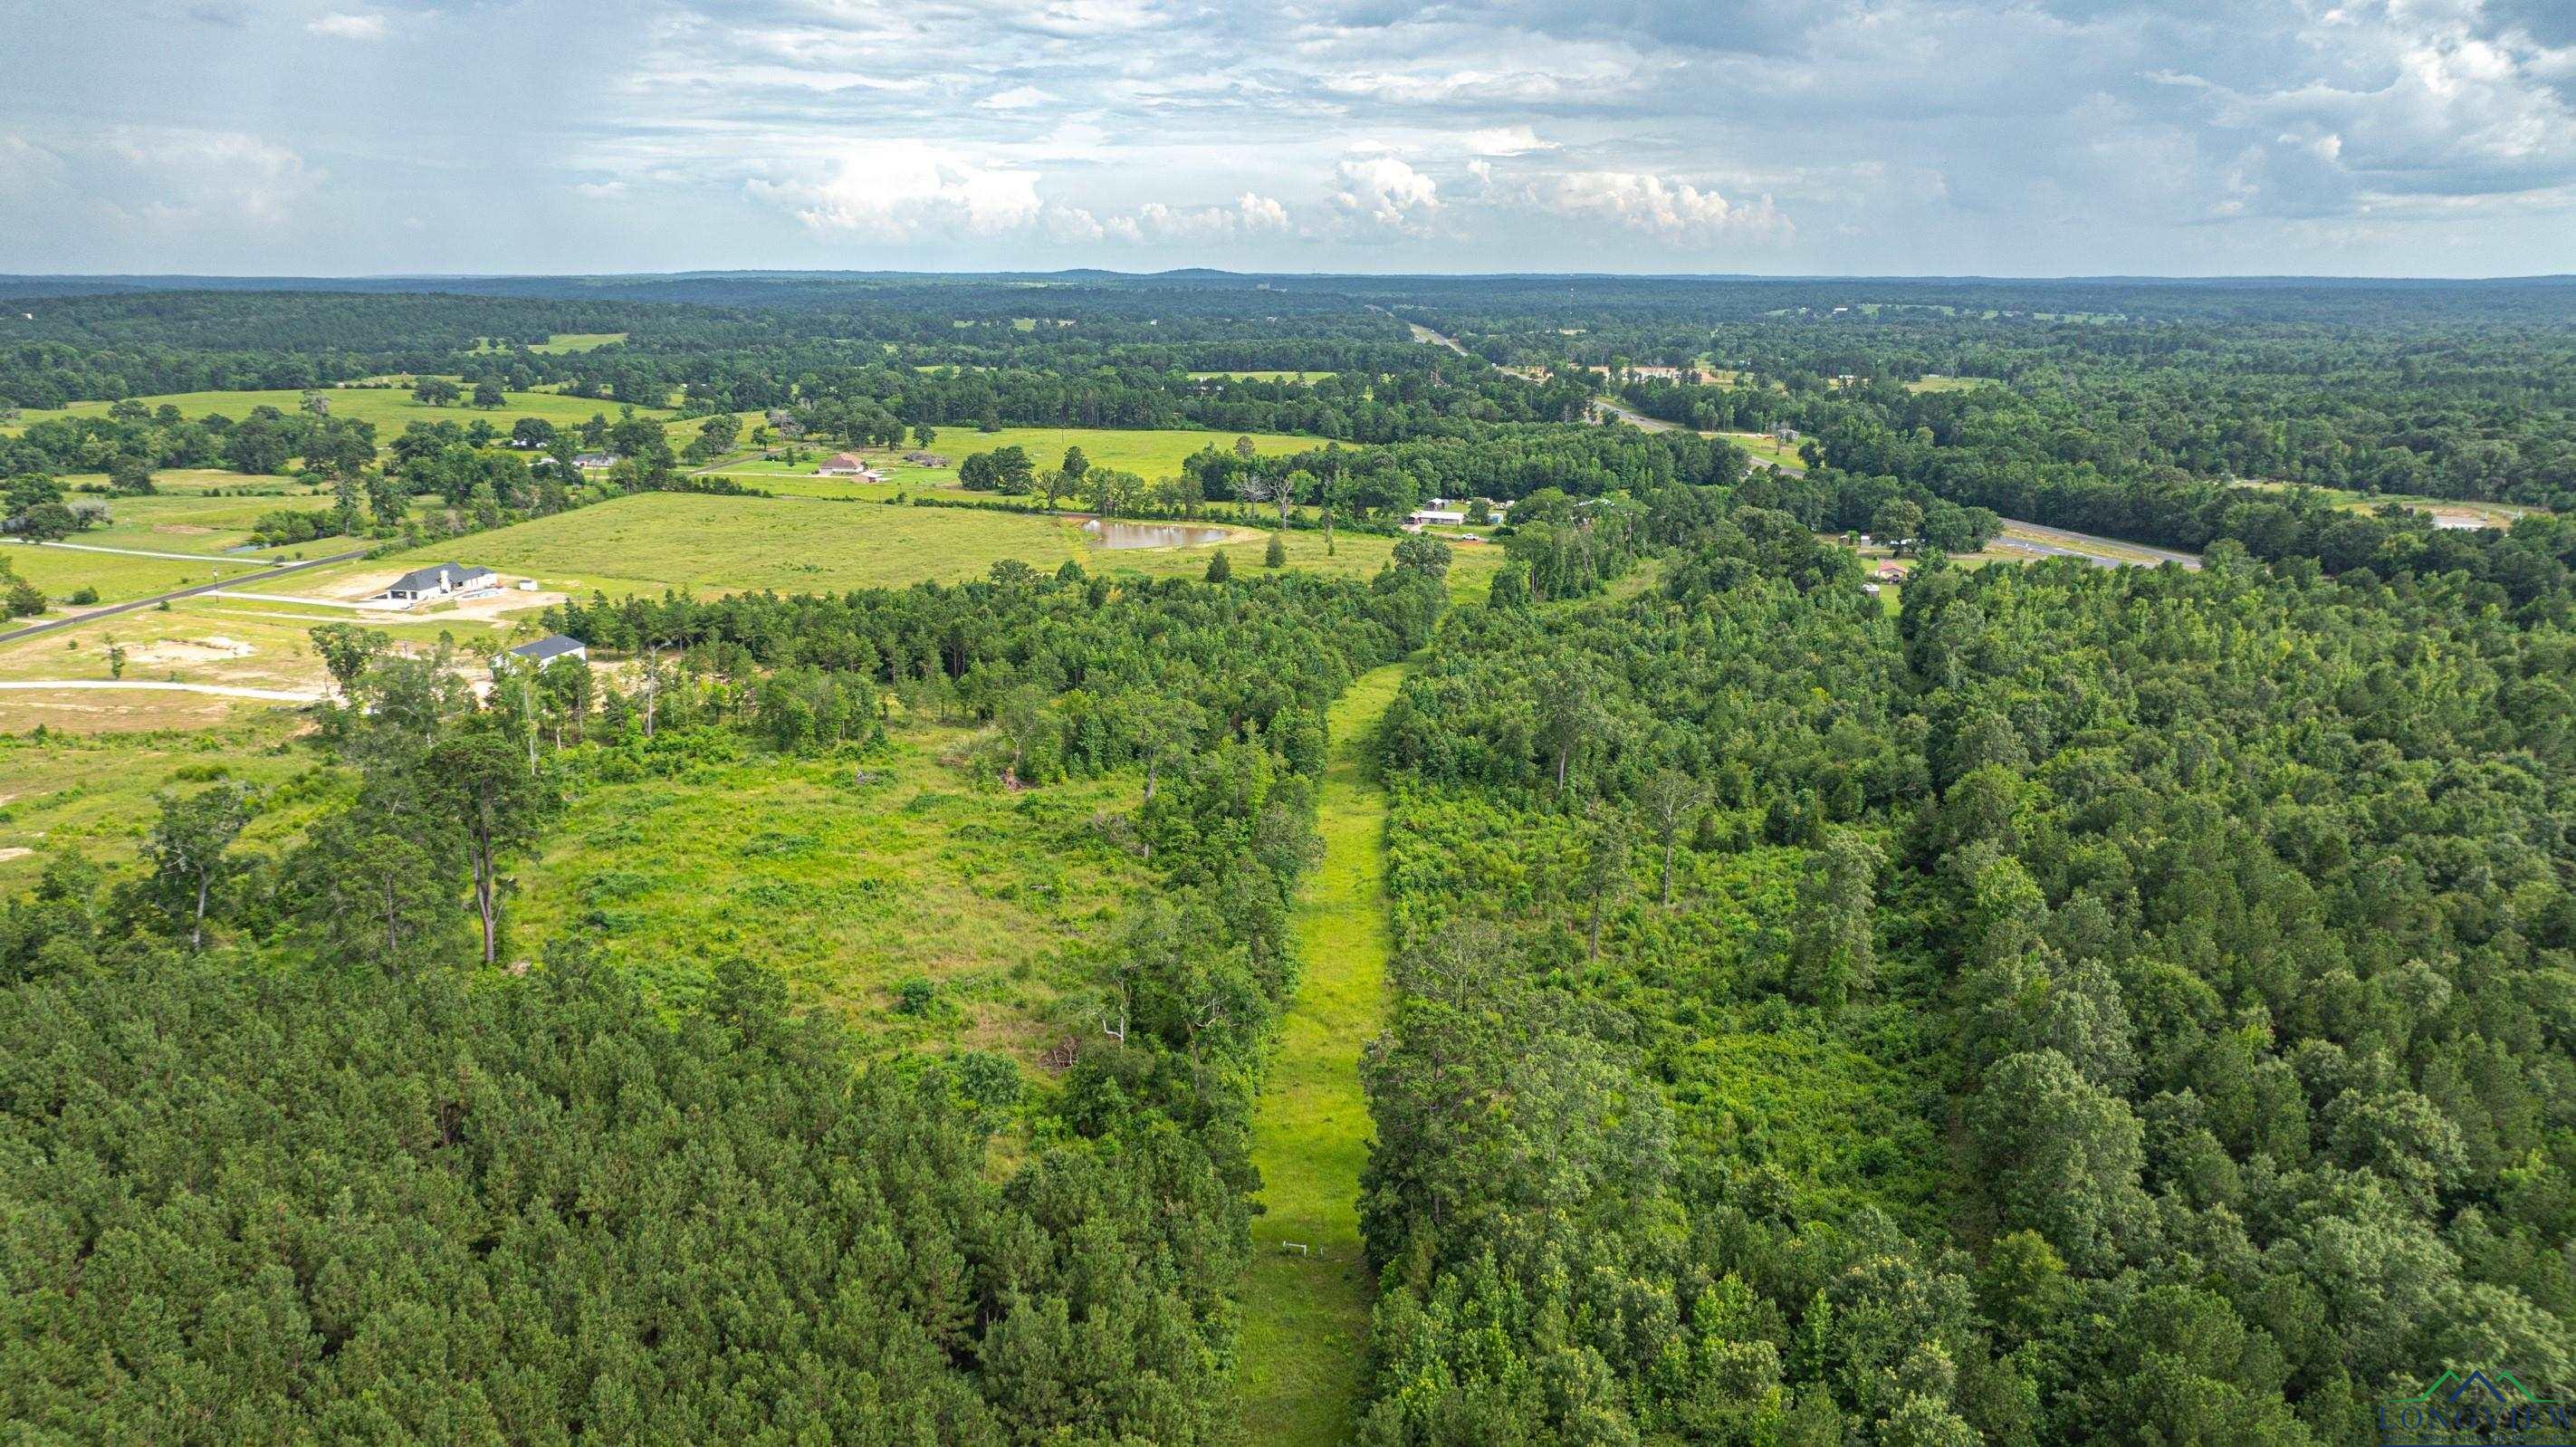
point(2048, 137)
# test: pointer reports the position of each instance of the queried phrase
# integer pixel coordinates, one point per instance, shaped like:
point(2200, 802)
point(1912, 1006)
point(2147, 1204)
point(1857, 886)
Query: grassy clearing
point(577, 341)
point(229, 642)
point(94, 795)
point(194, 522)
point(1305, 1317)
point(1937, 383)
point(848, 889)
point(2455, 510)
point(1765, 448)
point(389, 408)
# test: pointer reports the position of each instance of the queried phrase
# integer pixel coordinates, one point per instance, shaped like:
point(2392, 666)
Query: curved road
point(113, 609)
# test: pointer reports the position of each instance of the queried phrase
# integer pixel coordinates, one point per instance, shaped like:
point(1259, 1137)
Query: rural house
point(595, 461)
point(845, 464)
point(439, 580)
point(544, 651)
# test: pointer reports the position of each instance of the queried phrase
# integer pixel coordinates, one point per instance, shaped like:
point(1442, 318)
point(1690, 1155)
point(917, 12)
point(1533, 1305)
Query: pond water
point(1152, 535)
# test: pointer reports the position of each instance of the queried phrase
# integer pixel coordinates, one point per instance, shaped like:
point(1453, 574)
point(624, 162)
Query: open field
point(168, 540)
point(1150, 453)
point(653, 541)
point(646, 543)
point(1306, 1314)
point(200, 481)
point(1938, 383)
point(847, 888)
point(214, 640)
point(118, 576)
point(2457, 512)
point(577, 341)
point(193, 522)
point(390, 409)
point(94, 795)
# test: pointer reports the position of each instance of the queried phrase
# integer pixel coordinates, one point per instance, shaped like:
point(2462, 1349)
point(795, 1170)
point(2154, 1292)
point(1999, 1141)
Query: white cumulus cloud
point(342, 26)
point(1506, 141)
point(1384, 190)
point(896, 190)
point(1675, 211)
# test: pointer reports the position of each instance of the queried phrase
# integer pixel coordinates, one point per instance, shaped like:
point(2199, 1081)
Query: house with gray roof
point(544, 652)
point(439, 580)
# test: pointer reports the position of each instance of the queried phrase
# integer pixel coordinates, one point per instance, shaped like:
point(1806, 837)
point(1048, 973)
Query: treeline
point(2097, 1006)
point(2470, 433)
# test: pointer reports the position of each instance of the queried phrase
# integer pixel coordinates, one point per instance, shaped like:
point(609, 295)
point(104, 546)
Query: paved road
point(113, 609)
point(146, 553)
point(2066, 543)
point(1638, 420)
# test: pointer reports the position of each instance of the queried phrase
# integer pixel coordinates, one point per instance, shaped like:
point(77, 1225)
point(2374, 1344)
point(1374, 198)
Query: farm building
point(439, 580)
point(544, 651)
point(594, 461)
point(1437, 516)
point(1892, 572)
point(845, 464)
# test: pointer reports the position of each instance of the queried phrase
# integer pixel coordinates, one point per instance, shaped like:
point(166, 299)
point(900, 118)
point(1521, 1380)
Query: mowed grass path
point(1305, 1318)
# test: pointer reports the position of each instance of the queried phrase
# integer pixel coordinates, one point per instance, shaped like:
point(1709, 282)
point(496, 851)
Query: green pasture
point(390, 408)
point(648, 542)
point(193, 522)
point(1153, 454)
point(62, 571)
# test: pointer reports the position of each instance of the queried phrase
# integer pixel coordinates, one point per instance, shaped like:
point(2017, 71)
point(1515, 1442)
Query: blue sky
point(2051, 137)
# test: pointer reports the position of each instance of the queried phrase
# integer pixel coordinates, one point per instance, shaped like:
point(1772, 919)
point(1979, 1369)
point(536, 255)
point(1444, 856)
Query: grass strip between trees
point(1306, 1315)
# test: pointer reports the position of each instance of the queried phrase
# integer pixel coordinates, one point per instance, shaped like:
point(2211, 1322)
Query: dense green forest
point(2093, 1006)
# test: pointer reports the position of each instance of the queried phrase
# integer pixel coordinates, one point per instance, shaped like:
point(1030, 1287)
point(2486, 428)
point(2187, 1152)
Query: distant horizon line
point(2133, 278)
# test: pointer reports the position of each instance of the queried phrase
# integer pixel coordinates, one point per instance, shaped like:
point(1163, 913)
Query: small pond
point(1153, 535)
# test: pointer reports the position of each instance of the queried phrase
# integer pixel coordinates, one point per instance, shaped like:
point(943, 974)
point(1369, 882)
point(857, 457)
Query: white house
point(594, 461)
point(544, 652)
point(439, 580)
point(1437, 516)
